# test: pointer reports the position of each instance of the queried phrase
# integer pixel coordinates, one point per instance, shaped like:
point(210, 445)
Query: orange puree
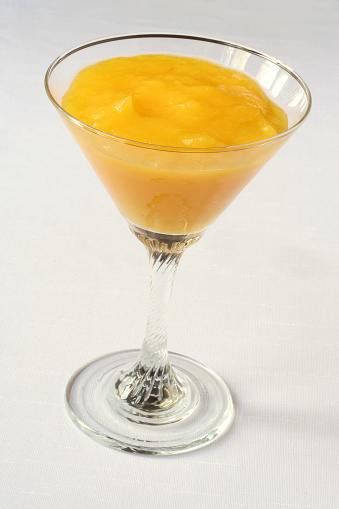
point(178, 102)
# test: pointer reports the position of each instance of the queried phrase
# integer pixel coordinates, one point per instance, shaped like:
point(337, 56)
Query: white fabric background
point(256, 299)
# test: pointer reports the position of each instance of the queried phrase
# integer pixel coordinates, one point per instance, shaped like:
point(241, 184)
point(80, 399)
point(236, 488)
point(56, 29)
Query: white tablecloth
point(256, 299)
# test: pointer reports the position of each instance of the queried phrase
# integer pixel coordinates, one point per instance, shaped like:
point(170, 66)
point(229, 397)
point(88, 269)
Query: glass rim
point(142, 35)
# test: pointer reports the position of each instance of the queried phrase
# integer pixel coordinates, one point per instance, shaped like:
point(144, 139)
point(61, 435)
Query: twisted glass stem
point(152, 384)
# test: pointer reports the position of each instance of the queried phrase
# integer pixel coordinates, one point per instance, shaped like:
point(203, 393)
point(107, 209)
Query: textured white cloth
point(256, 299)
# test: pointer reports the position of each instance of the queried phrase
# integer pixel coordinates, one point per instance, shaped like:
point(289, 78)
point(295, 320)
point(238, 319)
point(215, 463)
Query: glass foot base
point(204, 414)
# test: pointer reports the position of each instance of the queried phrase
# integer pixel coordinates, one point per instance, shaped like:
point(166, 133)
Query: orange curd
point(186, 105)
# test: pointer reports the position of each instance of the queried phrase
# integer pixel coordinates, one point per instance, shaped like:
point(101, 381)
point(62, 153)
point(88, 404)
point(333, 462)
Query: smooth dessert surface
point(172, 101)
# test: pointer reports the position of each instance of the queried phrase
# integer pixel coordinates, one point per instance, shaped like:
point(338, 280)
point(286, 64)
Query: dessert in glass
point(175, 126)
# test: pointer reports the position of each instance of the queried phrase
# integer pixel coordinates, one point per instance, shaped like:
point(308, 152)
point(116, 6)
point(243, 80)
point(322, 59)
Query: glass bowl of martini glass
point(149, 400)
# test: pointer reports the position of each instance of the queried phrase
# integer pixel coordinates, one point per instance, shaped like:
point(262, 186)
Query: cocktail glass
point(151, 401)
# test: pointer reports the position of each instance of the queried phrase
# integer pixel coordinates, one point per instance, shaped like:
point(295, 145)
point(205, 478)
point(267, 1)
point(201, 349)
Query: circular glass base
point(204, 413)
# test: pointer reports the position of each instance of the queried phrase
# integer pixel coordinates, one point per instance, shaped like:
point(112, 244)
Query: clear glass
point(151, 401)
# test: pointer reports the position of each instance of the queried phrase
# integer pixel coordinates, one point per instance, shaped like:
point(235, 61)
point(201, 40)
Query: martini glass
point(151, 401)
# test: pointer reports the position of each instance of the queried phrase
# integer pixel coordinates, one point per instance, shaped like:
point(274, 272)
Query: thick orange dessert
point(179, 103)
